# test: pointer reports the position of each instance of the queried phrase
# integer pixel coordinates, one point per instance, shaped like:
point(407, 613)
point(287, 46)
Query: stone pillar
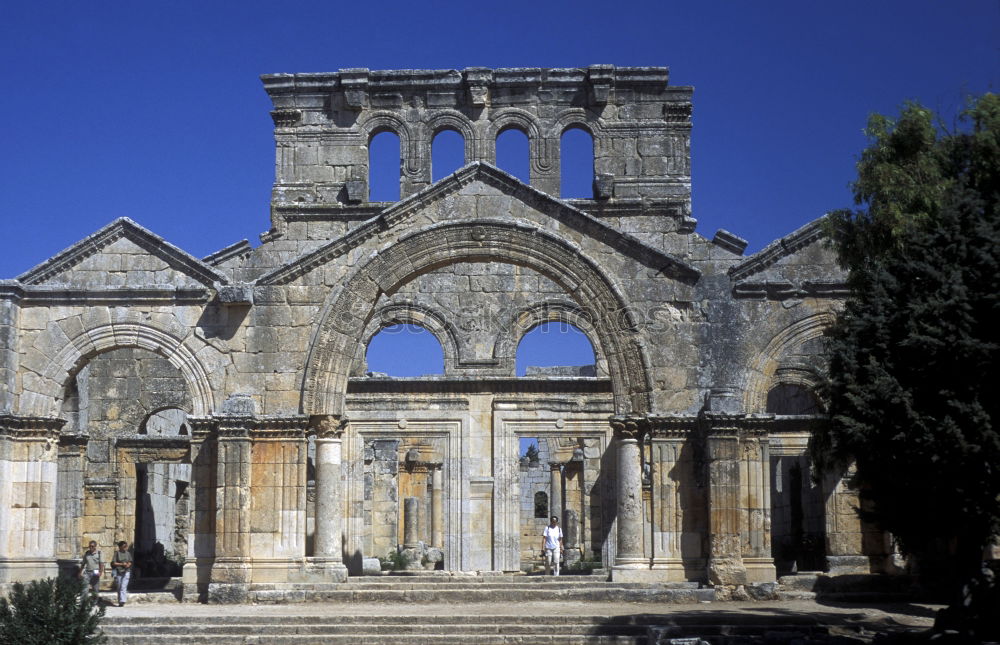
point(544, 164)
point(670, 473)
point(844, 533)
point(555, 491)
point(755, 502)
point(411, 522)
point(202, 511)
point(28, 469)
point(9, 315)
point(629, 555)
point(328, 549)
point(231, 571)
point(437, 507)
point(725, 562)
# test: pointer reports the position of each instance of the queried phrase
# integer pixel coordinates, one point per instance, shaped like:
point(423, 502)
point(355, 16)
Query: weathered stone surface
point(223, 408)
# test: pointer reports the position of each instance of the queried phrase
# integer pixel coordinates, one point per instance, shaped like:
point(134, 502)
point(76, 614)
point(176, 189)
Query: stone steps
point(582, 629)
point(478, 594)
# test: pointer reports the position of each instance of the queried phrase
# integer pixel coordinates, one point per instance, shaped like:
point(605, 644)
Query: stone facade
point(221, 406)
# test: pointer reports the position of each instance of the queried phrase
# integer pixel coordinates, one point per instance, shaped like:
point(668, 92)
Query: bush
point(53, 611)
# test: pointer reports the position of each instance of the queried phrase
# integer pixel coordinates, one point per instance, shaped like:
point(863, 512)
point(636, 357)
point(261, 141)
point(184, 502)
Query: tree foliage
point(915, 355)
point(57, 611)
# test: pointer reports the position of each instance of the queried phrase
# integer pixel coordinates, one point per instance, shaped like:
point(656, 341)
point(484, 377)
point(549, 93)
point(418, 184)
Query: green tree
point(915, 354)
point(54, 611)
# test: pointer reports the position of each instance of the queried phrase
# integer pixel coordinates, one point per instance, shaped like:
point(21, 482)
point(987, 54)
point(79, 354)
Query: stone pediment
point(795, 266)
point(122, 254)
point(465, 187)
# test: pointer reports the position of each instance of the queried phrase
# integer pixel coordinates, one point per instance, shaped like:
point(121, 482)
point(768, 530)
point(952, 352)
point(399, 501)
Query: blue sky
point(154, 110)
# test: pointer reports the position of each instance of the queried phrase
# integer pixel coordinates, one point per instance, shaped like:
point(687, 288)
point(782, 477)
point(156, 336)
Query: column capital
point(626, 428)
point(328, 426)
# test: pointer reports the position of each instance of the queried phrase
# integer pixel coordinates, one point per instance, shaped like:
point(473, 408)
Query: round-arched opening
point(447, 153)
point(513, 153)
point(555, 349)
point(384, 167)
point(576, 164)
point(792, 398)
point(406, 350)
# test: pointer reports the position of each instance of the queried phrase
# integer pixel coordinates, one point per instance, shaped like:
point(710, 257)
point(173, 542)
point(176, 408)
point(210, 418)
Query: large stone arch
point(348, 311)
point(43, 395)
point(764, 365)
point(527, 318)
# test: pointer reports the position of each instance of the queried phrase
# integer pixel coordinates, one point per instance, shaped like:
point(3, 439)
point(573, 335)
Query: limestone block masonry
point(218, 414)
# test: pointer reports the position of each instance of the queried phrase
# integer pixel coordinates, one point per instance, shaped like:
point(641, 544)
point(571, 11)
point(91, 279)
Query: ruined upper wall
point(324, 123)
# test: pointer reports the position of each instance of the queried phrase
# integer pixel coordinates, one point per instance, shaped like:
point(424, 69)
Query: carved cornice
point(123, 228)
point(245, 426)
point(291, 427)
point(629, 428)
point(662, 262)
point(770, 254)
point(672, 427)
point(328, 426)
point(784, 290)
point(59, 295)
point(27, 428)
point(286, 118)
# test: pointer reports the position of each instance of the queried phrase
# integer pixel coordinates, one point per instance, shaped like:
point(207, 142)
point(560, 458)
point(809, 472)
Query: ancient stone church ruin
point(217, 413)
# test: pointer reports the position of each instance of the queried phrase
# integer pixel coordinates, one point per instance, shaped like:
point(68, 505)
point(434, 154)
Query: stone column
point(231, 570)
point(555, 491)
point(9, 317)
point(725, 562)
point(411, 522)
point(544, 165)
point(629, 554)
point(437, 506)
point(328, 558)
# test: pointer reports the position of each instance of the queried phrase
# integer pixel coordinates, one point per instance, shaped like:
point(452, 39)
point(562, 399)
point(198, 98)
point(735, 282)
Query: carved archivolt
point(42, 395)
point(524, 320)
point(348, 311)
point(410, 313)
point(764, 367)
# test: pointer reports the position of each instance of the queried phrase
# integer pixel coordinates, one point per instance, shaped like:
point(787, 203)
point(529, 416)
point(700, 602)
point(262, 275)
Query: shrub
point(53, 611)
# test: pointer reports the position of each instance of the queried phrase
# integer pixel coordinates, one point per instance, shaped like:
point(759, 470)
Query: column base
point(672, 568)
point(839, 565)
point(760, 570)
point(27, 569)
point(726, 571)
point(321, 569)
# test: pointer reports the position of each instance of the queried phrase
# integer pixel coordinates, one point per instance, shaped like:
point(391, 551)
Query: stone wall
point(244, 371)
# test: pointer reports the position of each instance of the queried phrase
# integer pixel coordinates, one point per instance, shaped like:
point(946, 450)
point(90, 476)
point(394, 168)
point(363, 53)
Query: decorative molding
point(123, 227)
point(785, 290)
point(239, 249)
point(672, 427)
point(58, 295)
point(775, 251)
point(577, 219)
point(30, 427)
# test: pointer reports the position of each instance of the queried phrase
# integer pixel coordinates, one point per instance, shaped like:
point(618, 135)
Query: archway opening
point(798, 516)
point(555, 349)
point(513, 153)
point(384, 167)
point(405, 350)
point(576, 164)
point(447, 154)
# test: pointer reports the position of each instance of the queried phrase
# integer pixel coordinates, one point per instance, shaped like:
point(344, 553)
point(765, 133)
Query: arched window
point(513, 153)
point(576, 169)
point(447, 154)
point(555, 349)
point(383, 167)
point(791, 398)
point(405, 350)
point(541, 504)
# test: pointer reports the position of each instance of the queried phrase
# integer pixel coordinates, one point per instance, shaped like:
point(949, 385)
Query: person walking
point(552, 545)
point(92, 567)
point(121, 569)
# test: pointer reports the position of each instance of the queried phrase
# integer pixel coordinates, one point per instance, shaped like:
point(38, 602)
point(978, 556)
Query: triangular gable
point(123, 233)
point(791, 267)
point(778, 250)
point(493, 176)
